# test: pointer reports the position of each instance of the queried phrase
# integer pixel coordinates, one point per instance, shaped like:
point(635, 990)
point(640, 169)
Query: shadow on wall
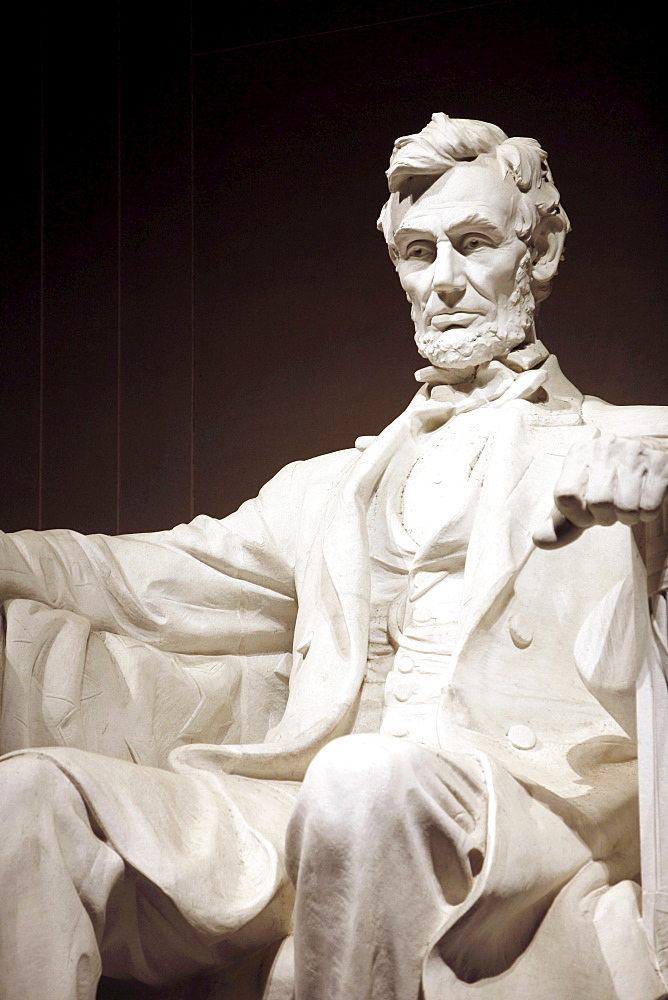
point(195, 290)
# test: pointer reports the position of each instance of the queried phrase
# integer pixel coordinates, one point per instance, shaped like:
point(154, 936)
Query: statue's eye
point(420, 250)
point(473, 242)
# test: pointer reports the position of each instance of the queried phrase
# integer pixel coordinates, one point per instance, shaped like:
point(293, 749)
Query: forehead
point(476, 188)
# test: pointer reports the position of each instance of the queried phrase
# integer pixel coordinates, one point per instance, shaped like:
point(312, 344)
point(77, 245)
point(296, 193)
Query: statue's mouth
point(450, 321)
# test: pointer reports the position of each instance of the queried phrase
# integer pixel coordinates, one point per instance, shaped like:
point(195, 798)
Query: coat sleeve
point(211, 586)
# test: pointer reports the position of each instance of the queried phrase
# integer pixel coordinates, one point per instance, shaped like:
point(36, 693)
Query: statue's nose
point(449, 281)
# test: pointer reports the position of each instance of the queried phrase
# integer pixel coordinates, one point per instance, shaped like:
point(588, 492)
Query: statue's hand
point(606, 480)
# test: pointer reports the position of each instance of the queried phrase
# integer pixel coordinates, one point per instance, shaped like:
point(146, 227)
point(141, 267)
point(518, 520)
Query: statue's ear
point(547, 252)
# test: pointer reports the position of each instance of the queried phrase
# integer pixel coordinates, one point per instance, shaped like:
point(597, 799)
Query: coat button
point(521, 630)
point(398, 729)
point(403, 663)
point(522, 737)
point(403, 690)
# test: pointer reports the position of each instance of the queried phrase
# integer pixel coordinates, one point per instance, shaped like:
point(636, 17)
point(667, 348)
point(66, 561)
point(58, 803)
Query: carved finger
point(628, 517)
point(601, 489)
point(604, 513)
point(574, 509)
point(556, 532)
point(571, 489)
point(627, 497)
point(653, 492)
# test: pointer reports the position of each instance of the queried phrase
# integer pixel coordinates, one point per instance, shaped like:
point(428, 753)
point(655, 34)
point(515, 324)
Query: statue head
point(476, 231)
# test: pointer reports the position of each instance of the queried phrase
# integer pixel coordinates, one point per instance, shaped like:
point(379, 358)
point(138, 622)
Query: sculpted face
point(463, 268)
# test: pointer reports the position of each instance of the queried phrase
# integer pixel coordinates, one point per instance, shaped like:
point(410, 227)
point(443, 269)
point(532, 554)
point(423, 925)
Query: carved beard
point(465, 348)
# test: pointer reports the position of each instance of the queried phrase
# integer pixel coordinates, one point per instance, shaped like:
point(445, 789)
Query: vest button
point(398, 729)
point(522, 737)
point(521, 630)
point(403, 690)
point(403, 663)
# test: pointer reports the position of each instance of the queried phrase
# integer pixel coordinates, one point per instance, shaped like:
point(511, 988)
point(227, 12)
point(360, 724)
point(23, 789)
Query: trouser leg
point(384, 836)
point(55, 878)
point(402, 855)
point(72, 905)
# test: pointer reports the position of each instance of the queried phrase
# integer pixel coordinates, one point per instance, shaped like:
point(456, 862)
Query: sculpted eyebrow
point(409, 232)
point(472, 220)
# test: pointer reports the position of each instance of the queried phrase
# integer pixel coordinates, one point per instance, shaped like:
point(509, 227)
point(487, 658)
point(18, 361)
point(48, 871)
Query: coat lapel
point(336, 596)
point(331, 639)
point(524, 462)
point(331, 648)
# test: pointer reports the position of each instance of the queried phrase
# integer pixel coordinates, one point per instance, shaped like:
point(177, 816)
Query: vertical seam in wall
point(40, 453)
point(192, 271)
point(118, 269)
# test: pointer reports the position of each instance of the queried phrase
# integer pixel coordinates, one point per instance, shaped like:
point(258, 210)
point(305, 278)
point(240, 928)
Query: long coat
point(240, 645)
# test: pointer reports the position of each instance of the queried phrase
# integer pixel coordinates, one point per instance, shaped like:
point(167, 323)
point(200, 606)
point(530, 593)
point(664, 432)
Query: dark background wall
point(194, 292)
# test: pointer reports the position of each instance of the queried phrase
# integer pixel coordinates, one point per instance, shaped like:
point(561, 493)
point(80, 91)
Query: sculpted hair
point(446, 141)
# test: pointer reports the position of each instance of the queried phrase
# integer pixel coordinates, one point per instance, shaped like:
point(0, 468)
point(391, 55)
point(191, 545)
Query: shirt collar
point(495, 383)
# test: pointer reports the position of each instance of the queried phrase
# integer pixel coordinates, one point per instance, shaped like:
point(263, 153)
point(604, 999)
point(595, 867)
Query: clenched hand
point(606, 480)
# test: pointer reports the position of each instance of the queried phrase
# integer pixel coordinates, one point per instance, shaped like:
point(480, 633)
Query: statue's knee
point(354, 780)
point(358, 762)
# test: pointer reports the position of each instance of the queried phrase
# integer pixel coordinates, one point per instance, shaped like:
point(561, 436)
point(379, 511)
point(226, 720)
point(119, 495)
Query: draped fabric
point(241, 645)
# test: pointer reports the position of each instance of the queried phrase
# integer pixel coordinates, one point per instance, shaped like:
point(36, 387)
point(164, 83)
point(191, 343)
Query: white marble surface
point(386, 713)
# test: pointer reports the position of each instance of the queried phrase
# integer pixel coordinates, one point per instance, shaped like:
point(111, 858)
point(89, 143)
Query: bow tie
point(494, 385)
point(522, 359)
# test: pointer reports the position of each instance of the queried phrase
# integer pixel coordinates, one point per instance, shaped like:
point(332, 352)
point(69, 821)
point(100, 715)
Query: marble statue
point(378, 731)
